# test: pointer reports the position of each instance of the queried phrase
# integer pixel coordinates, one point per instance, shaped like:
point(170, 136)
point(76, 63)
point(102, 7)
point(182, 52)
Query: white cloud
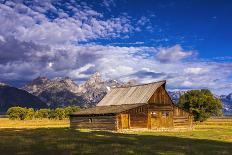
point(172, 54)
point(195, 70)
point(2, 39)
point(29, 24)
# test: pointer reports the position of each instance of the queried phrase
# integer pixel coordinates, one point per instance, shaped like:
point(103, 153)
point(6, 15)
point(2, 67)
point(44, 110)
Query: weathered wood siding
point(160, 97)
point(160, 110)
point(181, 118)
point(94, 122)
point(163, 114)
point(138, 117)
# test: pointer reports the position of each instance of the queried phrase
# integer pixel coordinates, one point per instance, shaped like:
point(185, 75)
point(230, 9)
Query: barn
point(145, 106)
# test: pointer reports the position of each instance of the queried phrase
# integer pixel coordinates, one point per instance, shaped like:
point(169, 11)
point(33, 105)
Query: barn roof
point(131, 94)
point(113, 109)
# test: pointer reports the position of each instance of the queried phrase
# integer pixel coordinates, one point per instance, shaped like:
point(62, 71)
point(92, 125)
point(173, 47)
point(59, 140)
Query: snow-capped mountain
point(64, 91)
point(227, 103)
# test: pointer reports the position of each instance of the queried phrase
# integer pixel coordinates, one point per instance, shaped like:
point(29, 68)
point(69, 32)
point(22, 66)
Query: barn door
point(154, 120)
point(161, 119)
point(125, 121)
point(165, 120)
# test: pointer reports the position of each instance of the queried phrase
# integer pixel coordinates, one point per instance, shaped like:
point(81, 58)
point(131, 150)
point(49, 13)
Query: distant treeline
point(19, 113)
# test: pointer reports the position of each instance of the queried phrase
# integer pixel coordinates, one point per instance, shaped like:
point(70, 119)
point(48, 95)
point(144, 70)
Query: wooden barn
point(145, 106)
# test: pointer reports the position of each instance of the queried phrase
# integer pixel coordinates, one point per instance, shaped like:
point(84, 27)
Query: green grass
point(204, 139)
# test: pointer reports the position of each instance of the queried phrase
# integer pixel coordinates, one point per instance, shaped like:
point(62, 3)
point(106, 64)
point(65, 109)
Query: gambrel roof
point(131, 94)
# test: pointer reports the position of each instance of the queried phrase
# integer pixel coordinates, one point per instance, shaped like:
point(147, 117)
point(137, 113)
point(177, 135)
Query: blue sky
point(185, 42)
point(204, 26)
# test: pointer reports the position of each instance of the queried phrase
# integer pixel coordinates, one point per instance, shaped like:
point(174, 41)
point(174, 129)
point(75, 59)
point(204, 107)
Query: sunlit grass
point(36, 123)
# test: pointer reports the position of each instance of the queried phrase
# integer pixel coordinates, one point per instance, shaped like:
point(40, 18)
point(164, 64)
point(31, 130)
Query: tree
point(201, 103)
point(30, 113)
point(17, 113)
point(59, 113)
point(43, 113)
point(70, 109)
point(52, 114)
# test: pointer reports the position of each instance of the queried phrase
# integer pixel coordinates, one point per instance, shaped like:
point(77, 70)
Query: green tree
point(17, 113)
point(201, 103)
point(43, 113)
point(59, 113)
point(52, 114)
point(70, 109)
point(30, 113)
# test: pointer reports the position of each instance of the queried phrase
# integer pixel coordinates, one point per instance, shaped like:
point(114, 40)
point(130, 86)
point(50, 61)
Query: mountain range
point(60, 92)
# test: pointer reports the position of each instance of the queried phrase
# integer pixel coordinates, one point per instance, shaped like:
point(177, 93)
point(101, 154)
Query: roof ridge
point(139, 84)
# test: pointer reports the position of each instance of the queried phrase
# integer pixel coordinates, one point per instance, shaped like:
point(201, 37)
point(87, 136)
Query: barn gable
point(131, 95)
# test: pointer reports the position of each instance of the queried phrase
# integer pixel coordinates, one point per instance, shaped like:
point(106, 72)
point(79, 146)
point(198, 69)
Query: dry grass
point(38, 123)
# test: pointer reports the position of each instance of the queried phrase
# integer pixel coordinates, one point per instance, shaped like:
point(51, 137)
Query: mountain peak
point(3, 84)
point(39, 80)
point(95, 78)
point(229, 97)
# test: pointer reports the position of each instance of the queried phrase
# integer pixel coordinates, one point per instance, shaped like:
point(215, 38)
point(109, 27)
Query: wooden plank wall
point(160, 110)
point(160, 97)
point(161, 104)
point(182, 119)
point(137, 117)
point(94, 122)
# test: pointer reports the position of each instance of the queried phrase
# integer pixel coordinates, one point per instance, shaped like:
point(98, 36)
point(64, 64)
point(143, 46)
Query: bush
point(201, 103)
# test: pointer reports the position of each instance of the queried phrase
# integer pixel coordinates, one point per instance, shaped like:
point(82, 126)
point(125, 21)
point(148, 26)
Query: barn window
point(165, 114)
point(153, 113)
point(90, 120)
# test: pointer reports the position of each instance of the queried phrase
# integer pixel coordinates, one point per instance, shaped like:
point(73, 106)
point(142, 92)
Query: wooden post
point(149, 120)
point(128, 120)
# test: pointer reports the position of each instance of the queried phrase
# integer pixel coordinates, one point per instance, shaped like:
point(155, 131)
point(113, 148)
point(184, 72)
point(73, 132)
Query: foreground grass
point(205, 139)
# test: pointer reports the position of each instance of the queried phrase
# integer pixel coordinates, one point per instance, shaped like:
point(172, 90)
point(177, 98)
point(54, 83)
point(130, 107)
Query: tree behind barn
point(201, 103)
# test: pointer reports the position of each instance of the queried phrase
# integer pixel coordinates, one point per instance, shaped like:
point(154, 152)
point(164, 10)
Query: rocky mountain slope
point(64, 91)
point(11, 96)
point(227, 103)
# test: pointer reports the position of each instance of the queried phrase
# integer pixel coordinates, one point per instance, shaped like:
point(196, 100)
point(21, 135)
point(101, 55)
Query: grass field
point(42, 137)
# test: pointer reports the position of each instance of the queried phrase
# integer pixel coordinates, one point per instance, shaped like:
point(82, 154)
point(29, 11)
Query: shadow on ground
point(61, 141)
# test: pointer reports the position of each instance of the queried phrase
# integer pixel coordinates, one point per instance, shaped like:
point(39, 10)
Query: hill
point(11, 96)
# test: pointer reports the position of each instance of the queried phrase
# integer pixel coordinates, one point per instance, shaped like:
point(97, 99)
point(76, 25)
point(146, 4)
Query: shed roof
point(131, 94)
point(113, 109)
